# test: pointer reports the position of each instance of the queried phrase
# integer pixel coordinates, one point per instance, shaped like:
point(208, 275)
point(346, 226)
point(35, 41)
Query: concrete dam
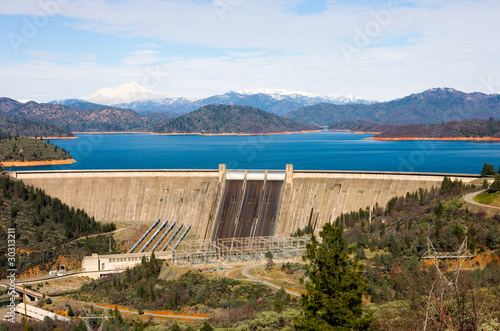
point(227, 203)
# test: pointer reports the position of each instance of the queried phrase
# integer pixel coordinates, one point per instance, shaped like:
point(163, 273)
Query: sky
point(376, 50)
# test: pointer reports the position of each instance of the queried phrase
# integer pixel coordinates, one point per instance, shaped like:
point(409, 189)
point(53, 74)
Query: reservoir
point(306, 151)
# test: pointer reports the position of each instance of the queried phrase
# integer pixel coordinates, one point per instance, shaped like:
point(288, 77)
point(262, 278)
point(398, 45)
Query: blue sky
point(379, 50)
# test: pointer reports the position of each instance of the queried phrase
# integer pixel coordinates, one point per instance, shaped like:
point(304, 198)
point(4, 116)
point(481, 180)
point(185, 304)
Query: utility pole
point(25, 308)
point(443, 283)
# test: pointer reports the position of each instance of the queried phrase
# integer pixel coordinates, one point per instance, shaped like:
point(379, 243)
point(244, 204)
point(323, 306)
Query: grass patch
point(487, 198)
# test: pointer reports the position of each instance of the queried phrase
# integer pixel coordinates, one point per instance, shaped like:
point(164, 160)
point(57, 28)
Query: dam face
point(226, 203)
point(250, 205)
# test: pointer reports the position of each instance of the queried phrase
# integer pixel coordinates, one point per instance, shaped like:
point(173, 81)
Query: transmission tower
point(460, 256)
point(88, 317)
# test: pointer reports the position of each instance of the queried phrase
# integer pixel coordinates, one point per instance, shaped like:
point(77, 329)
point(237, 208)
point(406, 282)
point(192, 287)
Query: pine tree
point(277, 303)
point(70, 312)
point(488, 170)
point(335, 287)
point(206, 327)
point(495, 186)
point(269, 257)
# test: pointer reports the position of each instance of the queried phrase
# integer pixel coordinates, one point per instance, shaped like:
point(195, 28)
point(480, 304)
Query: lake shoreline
point(435, 138)
point(198, 133)
point(54, 138)
point(36, 163)
point(352, 131)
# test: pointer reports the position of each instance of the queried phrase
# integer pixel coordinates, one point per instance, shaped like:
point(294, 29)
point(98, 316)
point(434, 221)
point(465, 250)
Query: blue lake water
point(306, 151)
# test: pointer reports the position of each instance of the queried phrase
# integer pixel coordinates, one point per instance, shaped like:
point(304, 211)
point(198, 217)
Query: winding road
point(251, 278)
point(469, 199)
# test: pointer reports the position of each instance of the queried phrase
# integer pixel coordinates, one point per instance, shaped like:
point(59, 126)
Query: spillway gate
point(250, 204)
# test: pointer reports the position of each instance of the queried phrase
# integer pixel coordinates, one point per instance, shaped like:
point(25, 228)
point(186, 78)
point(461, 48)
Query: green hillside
point(464, 128)
point(28, 149)
point(44, 228)
point(10, 127)
point(361, 126)
point(231, 119)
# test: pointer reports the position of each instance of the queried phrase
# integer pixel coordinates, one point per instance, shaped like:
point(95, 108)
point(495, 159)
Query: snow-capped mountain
point(280, 94)
point(135, 96)
point(122, 94)
point(278, 102)
point(172, 106)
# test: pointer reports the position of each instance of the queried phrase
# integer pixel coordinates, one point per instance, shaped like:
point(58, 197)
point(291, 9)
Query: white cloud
point(142, 57)
point(148, 45)
point(453, 43)
point(63, 57)
point(45, 55)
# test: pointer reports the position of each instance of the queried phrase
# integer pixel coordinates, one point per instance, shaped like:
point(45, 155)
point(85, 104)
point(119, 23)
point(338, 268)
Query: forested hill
point(45, 229)
point(91, 119)
point(361, 126)
point(29, 149)
point(20, 127)
point(431, 106)
point(231, 119)
point(461, 129)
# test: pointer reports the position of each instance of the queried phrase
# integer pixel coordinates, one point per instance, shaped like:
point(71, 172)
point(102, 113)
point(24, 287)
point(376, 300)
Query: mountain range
point(276, 102)
point(436, 105)
point(431, 106)
point(144, 101)
point(102, 118)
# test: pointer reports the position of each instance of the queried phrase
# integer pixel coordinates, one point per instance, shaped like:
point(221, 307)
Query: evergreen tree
point(117, 316)
point(206, 327)
point(488, 170)
point(80, 326)
point(70, 312)
point(269, 257)
point(335, 287)
point(495, 186)
point(361, 254)
point(277, 303)
point(281, 299)
point(48, 323)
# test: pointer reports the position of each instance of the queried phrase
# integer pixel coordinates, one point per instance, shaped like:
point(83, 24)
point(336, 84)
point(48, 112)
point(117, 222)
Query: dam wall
point(134, 196)
point(224, 203)
point(319, 197)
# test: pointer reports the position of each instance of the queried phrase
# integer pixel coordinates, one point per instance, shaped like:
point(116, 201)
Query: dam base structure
point(223, 204)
